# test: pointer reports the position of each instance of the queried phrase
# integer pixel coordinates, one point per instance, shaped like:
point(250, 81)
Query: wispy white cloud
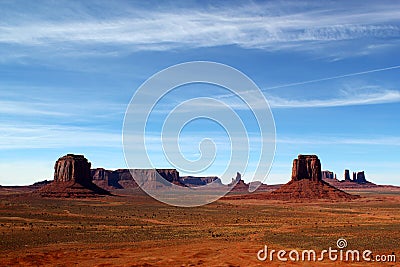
point(67, 111)
point(385, 96)
point(331, 140)
point(253, 26)
point(367, 95)
point(332, 77)
point(28, 108)
point(26, 136)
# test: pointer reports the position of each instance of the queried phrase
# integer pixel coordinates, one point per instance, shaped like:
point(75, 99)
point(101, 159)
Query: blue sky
point(330, 72)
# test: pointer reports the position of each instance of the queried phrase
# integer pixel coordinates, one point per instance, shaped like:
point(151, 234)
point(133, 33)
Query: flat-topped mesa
point(306, 167)
point(156, 178)
point(193, 181)
point(72, 168)
point(72, 178)
point(171, 175)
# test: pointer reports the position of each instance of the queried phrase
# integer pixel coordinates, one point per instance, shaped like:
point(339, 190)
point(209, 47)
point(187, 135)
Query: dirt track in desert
point(134, 230)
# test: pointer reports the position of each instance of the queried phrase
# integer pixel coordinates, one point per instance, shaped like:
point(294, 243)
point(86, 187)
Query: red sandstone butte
point(306, 184)
point(72, 178)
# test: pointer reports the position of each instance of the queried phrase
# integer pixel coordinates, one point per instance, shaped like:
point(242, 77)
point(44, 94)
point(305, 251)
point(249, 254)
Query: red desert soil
point(134, 230)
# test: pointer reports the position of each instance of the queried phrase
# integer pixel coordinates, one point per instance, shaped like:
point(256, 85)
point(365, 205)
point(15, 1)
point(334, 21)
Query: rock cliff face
point(72, 178)
point(347, 175)
point(122, 178)
point(306, 183)
point(358, 177)
point(106, 178)
point(72, 168)
point(328, 175)
point(101, 174)
point(171, 175)
point(193, 181)
point(306, 167)
point(361, 178)
point(240, 184)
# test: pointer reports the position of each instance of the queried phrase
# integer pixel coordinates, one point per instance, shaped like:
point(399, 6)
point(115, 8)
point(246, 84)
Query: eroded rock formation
point(106, 178)
point(192, 181)
point(123, 178)
point(358, 177)
point(306, 184)
point(157, 178)
point(328, 175)
point(240, 184)
point(72, 178)
point(171, 175)
point(306, 167)
point(347, 175)
point(361, 178)
point(72, 168)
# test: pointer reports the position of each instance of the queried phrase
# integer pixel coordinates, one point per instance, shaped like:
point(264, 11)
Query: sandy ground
point(134, 230)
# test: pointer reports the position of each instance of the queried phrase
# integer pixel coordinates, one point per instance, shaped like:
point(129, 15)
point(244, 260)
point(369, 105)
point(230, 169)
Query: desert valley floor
point(131, 229)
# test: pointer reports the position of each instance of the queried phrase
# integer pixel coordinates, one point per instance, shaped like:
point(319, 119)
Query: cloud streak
point(252, 26)
point(362, 96)
point(332, 78)
point(72, 111)
point(25, 136)
point(321, 140)
point(382, 97)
